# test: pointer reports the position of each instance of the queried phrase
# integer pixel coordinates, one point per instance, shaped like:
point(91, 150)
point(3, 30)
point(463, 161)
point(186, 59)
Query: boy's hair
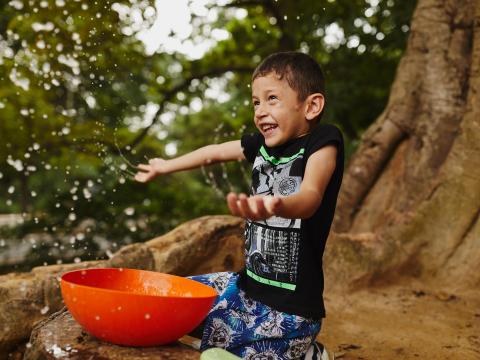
point(300, 70)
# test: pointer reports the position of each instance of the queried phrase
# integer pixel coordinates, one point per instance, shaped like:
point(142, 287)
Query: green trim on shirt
point(271, 282)
point(282, 160)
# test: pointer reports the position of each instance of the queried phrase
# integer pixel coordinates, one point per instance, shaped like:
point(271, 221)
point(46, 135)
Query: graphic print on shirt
point(272, 245)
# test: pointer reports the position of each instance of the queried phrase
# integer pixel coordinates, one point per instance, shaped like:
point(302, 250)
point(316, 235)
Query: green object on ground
point(217, 354)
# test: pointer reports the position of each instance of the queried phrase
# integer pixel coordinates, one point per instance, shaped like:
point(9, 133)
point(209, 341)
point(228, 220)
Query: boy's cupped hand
point(256, 207)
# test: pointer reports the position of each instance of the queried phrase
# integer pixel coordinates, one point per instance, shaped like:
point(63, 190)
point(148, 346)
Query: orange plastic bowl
point(135, 307)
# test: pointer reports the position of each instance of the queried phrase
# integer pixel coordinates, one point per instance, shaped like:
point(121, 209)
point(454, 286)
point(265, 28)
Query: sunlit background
point(90, 89)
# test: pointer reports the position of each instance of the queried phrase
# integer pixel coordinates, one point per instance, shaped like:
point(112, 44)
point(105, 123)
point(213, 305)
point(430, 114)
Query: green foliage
point(76, 84)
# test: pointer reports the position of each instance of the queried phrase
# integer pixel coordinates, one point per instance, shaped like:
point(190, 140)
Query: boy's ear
point(314, 105)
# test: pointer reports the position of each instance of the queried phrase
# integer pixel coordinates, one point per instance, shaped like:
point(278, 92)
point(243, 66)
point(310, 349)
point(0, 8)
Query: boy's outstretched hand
point(254, 207)
point(148, 171)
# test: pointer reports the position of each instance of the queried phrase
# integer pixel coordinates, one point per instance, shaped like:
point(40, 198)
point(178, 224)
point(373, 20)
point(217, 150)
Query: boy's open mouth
point(268, 128)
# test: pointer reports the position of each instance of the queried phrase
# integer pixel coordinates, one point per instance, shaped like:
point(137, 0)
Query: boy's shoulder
point(322, 135)
point(327, 129)
point(326, 132)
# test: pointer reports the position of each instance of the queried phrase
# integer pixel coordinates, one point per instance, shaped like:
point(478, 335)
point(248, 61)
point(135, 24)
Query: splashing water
point(127, 168)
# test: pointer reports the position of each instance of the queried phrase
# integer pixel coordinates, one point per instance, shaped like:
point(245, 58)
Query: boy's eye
point(256, 103)
point(272, 97)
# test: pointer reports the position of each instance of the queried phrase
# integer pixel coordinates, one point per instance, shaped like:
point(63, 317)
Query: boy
point(273, 308)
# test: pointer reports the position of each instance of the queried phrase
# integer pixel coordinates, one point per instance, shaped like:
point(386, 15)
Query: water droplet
point(40, 44)
point(86, 193)
point(17, 4)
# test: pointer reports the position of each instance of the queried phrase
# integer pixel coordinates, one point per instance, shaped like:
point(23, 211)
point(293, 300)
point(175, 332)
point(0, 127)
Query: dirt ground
point(408, 321)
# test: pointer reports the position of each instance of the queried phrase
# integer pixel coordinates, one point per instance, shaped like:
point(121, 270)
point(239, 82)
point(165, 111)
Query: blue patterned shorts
point(250, 329)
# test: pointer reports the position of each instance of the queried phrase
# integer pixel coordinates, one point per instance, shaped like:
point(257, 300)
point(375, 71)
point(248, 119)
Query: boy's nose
point(260, 112)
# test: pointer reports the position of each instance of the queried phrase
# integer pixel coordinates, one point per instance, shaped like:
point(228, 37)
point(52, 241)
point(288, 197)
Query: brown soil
point(408, 321)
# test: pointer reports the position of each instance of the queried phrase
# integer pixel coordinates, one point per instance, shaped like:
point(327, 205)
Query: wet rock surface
point(61, 337)
point(204, 245)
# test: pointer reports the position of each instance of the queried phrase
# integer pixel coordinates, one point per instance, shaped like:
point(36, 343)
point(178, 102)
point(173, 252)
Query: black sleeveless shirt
point(284, 256)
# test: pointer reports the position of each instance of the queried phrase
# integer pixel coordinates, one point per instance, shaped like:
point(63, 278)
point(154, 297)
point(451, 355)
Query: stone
point(201, 246)
point(60, 336)
point(27, 298)
point(204, 245)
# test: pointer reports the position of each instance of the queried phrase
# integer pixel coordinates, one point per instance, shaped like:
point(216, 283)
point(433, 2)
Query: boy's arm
point(301, 205)
point(210, 154)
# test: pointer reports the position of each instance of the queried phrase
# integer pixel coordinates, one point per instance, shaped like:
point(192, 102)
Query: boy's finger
point(244, 206)
point(144, 176)
point(139, 178)
point(232, 204)
point(271, 204)
point(256, 209)
point(252, 210)
point(144, 167)
point(262, 212)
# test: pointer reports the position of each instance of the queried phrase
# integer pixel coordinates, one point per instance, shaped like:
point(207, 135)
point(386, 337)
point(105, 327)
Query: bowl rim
point(66, 282)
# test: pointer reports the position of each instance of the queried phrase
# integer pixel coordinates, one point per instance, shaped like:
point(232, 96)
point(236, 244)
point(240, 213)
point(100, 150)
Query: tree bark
point(410, 200)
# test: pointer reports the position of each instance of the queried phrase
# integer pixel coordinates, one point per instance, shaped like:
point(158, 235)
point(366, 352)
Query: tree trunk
point(410, 200)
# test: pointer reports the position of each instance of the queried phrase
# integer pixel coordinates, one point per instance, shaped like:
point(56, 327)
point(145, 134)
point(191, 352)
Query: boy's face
point(279, 116)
